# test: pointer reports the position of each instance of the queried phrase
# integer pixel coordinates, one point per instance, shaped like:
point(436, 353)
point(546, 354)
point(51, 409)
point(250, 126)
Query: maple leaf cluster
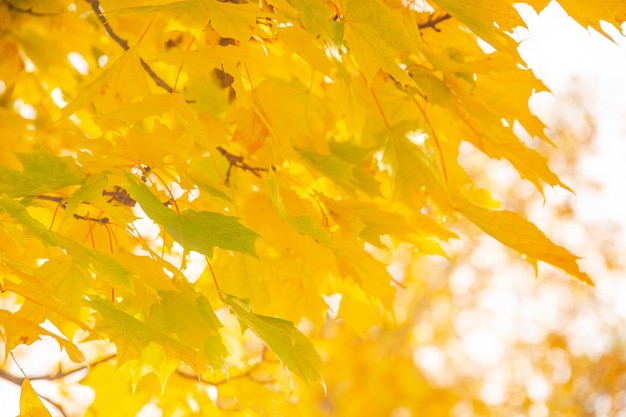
point(185, 187)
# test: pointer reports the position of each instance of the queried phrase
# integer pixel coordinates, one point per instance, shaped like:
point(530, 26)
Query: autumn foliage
point(199, 199)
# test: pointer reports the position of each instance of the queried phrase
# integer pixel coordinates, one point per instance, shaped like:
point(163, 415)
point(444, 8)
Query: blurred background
point(487, 334)
point(501, 339)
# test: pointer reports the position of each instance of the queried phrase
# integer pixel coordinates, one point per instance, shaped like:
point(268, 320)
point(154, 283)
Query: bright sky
point(568, 59)
point(557, 49)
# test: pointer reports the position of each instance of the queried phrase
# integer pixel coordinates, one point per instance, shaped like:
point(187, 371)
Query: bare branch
point(238, 162)
point(247, 373)
point(431, 23)
point(45, 197)
point(62, 203)
point(20, 380)
point(155, 77)
point(55, 404)
point(7, 376)
point(29, 11)
point(95, 5)
point(120, 195)
point(101, 220)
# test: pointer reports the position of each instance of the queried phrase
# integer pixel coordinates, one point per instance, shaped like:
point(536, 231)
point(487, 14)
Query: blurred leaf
point(518, 233)
point(480, 15)
point(30, 403)
point(18, 330)
point(90, 191)
point(191, 318)
point(42, 173)
point(132, 335)
point(302, 224)
point(592, 14)
point(292, 347)
point(317, 18)
point(377, 35)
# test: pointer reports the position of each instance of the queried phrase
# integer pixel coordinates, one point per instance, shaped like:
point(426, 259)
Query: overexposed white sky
point(558, 50)
point(562, 53)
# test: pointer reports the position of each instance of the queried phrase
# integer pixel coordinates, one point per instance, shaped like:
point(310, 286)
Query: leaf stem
point(238, 162)
point(436, 139)
point(380, 108)
point(217, 285)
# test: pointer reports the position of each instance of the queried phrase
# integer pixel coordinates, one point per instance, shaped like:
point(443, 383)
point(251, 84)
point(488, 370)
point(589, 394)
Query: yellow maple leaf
point(30, 403)
point(520, 234)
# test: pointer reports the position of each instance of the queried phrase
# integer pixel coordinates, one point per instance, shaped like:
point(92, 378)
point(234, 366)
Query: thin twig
point(245, 374)
point(431, 23)
point(155, 77)
point(238, 162)
point(95, 5)
point(58, 375)
point(101, 220)
point(19, 381)
point(54, 198)
point(29, 11)
point(7, 376)
point(120, 195)
point(217, 285)
point(221, 381)
point(62, 203)
point(55, 404)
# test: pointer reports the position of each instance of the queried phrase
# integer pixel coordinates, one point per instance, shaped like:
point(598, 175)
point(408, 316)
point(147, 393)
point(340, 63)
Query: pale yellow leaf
point(30, 403)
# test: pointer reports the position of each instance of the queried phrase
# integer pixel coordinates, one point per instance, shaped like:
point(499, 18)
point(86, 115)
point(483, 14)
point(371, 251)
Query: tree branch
point(431, 23)
point(238, 162)
point(54, 404)
point(120, 195)
point(245, 374)
point(95, 5)
point(7, 376)
point(19, 381)
point(29, 11)
point(222, 381)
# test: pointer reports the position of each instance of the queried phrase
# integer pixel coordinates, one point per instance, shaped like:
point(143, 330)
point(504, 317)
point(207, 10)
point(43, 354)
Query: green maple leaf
point(199, 231)
point(131, 336)
point(43, 173)
point(291, 346)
